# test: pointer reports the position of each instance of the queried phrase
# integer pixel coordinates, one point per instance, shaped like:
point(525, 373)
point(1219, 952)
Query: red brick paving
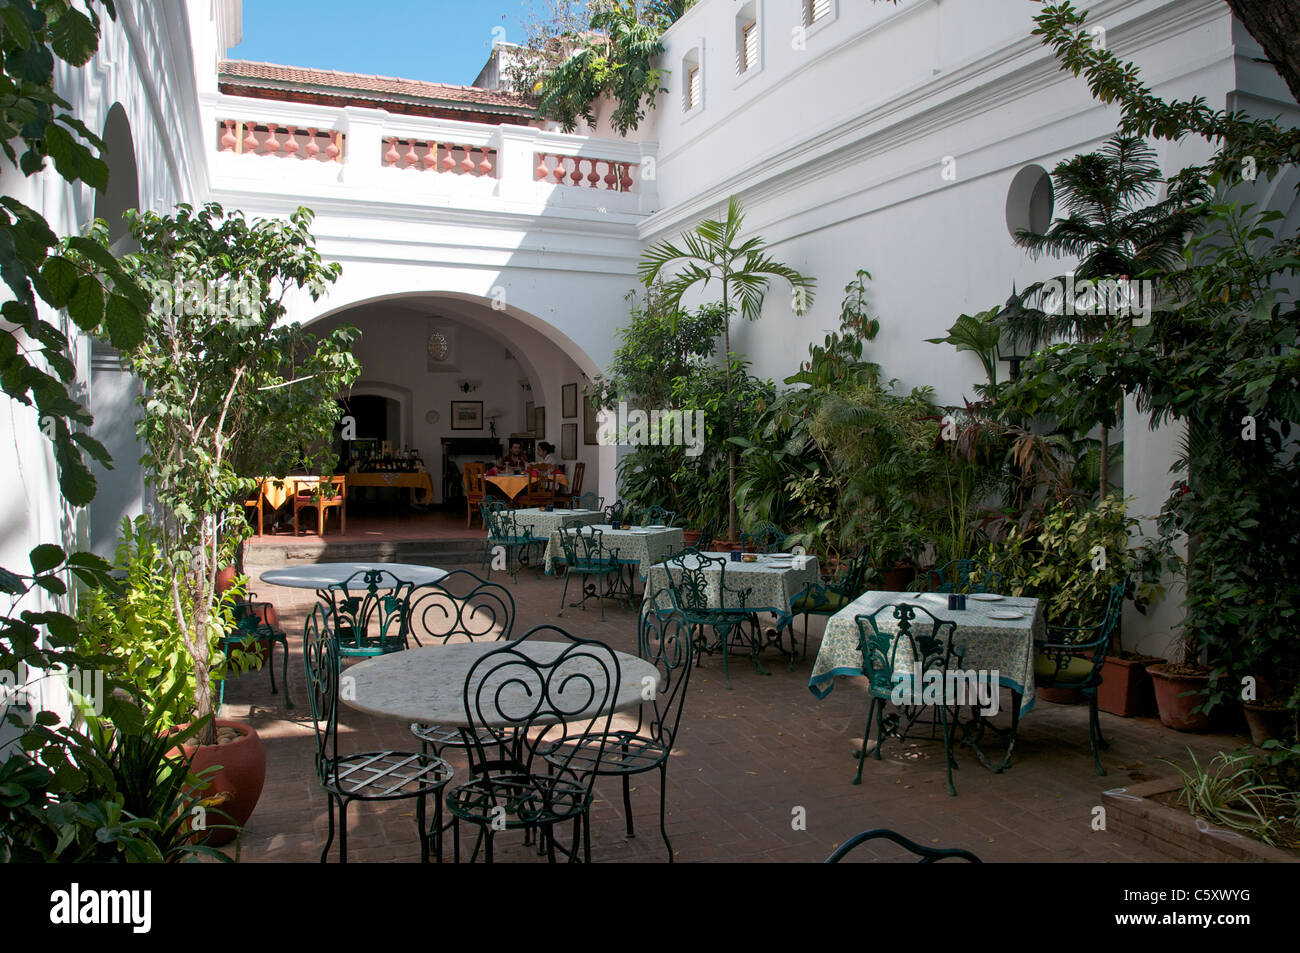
point(746, 764)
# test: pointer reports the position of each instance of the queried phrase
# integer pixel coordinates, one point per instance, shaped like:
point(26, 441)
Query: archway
point(462, 369)
point(113, 392)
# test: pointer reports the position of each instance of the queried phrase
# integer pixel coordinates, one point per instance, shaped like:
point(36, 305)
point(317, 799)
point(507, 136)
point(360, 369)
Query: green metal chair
point(928, 855)
point(664, 640)
point(368, 775)
point(657, 516)
point(585, 555)
point(254, 624)
point(1072, 657)
point(505, 536)
point(465, 607)
point(525, 702)
point(829, 597)
point(588, 501)
point(618, 513)
point(688, 584)
point(955, 576)
point(934, 651)
point(369, 596)
point(708, 533)
point(763, 538)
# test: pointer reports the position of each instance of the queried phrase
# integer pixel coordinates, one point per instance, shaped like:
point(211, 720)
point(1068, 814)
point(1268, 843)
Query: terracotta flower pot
point(1125, 688)
point(690, 538)
point(1178, 712)
point(898, 578)
point(1266, 721)
point(240, 778)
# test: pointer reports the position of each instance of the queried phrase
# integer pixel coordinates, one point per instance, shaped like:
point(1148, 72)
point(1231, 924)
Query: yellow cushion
point(1076, 670)
point(821, 602)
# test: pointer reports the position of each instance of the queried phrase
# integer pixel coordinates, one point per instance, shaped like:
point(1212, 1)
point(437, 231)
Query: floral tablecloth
point(987, 644)
point(641, 547)
point(771, 586)
point(543, 524)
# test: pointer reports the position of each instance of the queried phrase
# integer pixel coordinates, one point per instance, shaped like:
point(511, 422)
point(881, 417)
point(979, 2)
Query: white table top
point(324, 575)
point(428, 684)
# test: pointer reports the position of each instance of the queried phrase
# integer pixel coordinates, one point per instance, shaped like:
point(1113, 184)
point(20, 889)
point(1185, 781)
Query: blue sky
point(441, 41)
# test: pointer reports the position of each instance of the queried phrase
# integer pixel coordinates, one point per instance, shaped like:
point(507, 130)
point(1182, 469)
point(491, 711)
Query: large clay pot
point(1178, 712)
point(242, 774)
point(1125, 688)
point(898, 578)
point(1266, 721)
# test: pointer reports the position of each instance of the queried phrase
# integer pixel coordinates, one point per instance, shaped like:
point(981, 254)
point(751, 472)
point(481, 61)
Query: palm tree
point(713, 250)
point(1115, 233)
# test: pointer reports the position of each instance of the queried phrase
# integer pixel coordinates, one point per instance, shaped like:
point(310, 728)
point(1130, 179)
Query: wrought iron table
point(987, 644)
point(427, 685)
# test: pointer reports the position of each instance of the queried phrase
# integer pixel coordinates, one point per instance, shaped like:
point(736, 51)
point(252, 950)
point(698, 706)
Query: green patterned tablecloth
point(772, 587)
point(641, 547)
point(543, 524)
point(987, 644)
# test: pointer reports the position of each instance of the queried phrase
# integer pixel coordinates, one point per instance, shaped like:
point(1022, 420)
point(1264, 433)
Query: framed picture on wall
point(528, 417)
point(569, 442)
point(569, 404)
point(539, 422)
point(589, 424)
point(467, 415)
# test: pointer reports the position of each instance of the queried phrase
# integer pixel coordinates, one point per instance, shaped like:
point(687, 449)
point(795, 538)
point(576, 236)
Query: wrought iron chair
point(928, 855)
point(369, 775)
point(663, 639)
point(617, 513)
point(657, 516)
point(258, 622)
point(458, 605)
point(688, 584)
point(505, 537)
point(763, 538)
point(933, 650)
point(585, 554)
point(955, 576)
point(708, 533)
point(829, 597)
point(369, 596)
point(588, 501)
point(526, 696)
point(1072, 657)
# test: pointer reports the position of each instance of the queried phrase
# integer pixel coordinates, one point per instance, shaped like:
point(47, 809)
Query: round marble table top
point(428, 684)
point(324, 575)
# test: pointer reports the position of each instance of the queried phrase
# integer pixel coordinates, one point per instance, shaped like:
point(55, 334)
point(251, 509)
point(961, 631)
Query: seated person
point(546, 453)
point(515, 460)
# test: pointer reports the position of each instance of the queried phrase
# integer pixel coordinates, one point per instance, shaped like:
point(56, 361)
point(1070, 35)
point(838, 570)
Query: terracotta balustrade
point(441, 157)
point(584, 173)
point(274, 139)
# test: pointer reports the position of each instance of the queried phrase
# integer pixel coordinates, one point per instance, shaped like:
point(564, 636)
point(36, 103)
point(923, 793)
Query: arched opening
point(455, 379)
point(113, 392)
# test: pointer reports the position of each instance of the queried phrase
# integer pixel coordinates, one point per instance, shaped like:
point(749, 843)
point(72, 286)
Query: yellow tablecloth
point(415, 480)
point(512, 486)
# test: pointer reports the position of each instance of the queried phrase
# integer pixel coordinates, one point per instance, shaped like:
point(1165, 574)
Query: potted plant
point(1182, 688)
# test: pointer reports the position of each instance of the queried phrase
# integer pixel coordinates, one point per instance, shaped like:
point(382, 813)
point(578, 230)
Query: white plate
point(657, 526)
point(1008, 616)
point(639, 531)
point(781, 563)
point(986, 597)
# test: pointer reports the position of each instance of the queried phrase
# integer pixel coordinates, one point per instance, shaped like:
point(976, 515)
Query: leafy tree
point(226, 382)
point(713, 251)
point(1117, 234)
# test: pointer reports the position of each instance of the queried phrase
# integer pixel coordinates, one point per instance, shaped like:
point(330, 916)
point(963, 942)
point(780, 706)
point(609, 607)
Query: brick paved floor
point(748, 763)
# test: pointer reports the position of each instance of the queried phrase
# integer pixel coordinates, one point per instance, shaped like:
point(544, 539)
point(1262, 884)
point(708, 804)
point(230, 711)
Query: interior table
point(427, 685)
point(412, 480)
point(514, 484)
point(987, 644)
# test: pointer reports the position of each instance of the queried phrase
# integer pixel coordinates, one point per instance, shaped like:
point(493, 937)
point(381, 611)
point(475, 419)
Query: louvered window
point(750, 40)
point(816, 9)
point(693, 88)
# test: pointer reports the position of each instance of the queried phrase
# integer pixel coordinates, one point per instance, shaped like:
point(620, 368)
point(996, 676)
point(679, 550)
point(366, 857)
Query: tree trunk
point(731, 447)
point(1104, 463)
point(1275, 25)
